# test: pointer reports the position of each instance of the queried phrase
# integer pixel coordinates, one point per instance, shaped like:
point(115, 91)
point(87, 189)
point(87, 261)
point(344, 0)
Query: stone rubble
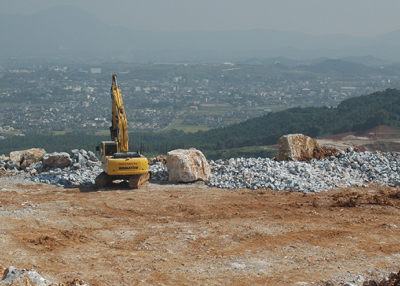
point(341, 170)
point(81, 170)
point(18, 277)
point(61, 169)
point(13, 276)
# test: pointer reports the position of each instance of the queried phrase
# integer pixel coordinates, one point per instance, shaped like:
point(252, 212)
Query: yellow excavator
point(117, 162)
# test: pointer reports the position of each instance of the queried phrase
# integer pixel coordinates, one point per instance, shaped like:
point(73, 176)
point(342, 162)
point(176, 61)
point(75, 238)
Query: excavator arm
point(119, 127)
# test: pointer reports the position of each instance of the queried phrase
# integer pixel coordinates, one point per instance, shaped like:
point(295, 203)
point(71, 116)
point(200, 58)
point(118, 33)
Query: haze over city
point(350, 17)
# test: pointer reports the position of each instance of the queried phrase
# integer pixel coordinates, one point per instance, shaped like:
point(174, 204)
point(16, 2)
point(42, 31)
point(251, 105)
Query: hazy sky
point(352, 17)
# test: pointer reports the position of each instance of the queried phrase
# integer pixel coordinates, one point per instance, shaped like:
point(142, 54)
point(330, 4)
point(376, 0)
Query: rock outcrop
point(296, 147)
point(187, 166)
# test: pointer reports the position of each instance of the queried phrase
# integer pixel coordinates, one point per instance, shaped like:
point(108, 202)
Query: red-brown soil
point(196, 235)
point(379, 132)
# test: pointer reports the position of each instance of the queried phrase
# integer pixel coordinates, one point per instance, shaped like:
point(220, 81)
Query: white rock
point(31, 156)
point(294, 147)
point(187, 166)
point(15, 276)
point(15, 160)
point(57, 160)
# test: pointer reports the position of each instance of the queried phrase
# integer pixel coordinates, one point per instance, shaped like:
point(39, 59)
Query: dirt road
point(196, 235)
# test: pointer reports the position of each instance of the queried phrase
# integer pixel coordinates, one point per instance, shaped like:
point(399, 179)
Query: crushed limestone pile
point(79, 169)
point(58, 168)
point(340, 170)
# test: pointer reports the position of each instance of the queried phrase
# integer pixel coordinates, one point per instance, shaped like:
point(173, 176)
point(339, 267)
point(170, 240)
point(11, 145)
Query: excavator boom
point(119, 127)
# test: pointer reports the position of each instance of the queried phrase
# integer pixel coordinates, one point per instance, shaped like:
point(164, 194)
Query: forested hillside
point(355, 114)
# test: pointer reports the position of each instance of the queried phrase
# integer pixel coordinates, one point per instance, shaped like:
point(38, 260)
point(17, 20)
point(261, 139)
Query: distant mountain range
point(70, 33)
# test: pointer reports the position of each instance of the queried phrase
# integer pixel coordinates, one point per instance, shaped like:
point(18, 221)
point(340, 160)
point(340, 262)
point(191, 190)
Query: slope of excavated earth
point(167, 234)
point(383, 138)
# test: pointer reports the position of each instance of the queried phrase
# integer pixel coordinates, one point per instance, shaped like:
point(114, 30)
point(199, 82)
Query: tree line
point(354, 114)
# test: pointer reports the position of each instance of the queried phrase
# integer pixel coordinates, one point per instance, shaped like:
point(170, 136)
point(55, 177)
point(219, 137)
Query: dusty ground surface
point(196, 235)
point(383, 138)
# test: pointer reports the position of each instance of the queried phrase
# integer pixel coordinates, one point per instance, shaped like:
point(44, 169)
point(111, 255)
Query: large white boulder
point(296, 147)
point(23, 159)
point(31, 156)
point(57, 160)
point(15, 160)
point(187, 166)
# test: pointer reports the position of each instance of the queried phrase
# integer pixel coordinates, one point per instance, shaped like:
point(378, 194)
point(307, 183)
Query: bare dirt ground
point(383, 138)
point(196, 235)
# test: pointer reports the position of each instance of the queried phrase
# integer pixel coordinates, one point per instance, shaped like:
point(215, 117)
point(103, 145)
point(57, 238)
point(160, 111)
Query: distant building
point(348, 88)
point(305, 91)
point(189, 79)
point(95, 70)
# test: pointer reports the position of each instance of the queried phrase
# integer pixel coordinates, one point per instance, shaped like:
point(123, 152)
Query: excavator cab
point(110, 148)
point(107, 148)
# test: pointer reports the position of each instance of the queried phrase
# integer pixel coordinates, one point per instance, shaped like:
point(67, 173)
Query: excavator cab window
point(110, 148)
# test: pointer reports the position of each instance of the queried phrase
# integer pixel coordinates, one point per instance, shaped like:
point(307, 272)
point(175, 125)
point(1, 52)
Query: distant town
point(63, 98)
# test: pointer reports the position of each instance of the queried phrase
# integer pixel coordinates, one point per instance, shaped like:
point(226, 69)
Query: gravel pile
point(343, 170)
point(85, 175)
point(82, 172)
point(159, 172)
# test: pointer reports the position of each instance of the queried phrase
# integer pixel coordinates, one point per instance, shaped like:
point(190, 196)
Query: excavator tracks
point(138, 181)
point(103, 180)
